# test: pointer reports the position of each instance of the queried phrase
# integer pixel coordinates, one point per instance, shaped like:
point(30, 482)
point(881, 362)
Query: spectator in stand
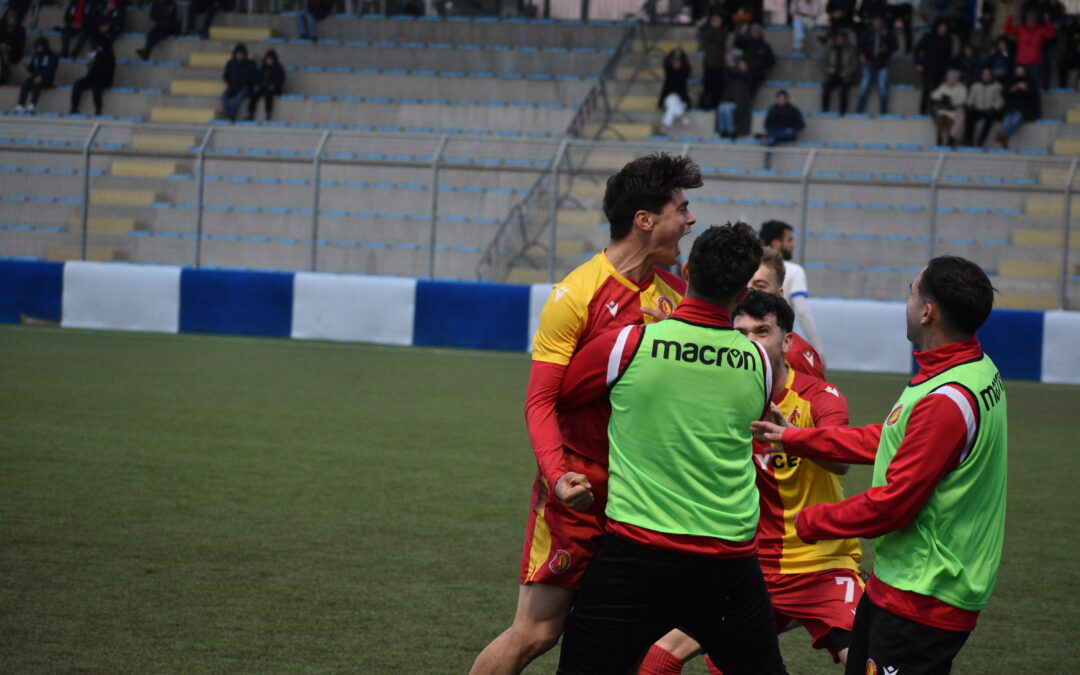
point(983, 35)
point(1001, 59)
point(1030, 38)
point(984, 104)
point(209, 8)
point(969, 64)
point(674, 95)
point(949, 98)
point(113, 17)
point(1054, 12)
point(733, 116)
point(758, 54)
point(900, 12)
point(239, 76)
point(877, 44)
point(841, 15)
point(42, 69)
point(269, 82)
point(712, 39)
point(12, 43)
point(99, 72)
point(1070, 54)
point(1021, 104)
point(933, 56)
point(804, 15)
point(80, 19)
point(783, 121)
point(19, 8)
point(166, 18)
point(840, 66)
point(310, 12)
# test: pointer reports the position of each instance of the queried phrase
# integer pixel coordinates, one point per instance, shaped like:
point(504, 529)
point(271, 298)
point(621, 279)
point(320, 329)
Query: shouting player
point(816, 585)
point(622, 285)
point(936, 508)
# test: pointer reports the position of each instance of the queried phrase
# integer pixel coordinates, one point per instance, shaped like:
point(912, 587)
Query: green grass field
point(207, 504)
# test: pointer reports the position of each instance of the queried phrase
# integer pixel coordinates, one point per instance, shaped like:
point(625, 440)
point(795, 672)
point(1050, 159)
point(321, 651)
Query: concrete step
point(1032, 237)
point(212, 88)
point(1072, 116)
point(1031, 269)
point(176, 115)
point(241, 33)
point(1023, 301)
point(103, 225)
point(1048, 206)
point(124, 197)
point(169, 142)
point(93, 254)
point(209, 59)
point(141, 168)
point(527, 275)
point(1067, 146)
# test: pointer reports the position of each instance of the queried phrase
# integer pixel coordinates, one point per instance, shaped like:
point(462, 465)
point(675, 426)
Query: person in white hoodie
point(949, 98)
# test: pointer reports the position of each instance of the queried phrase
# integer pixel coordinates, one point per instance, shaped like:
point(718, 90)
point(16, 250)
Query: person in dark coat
point(113, 17)
point(839, 67)
point(1021, 104)
point(877, 45)
point(81, 19)
point(758, 54)
point(209, 8)
point(734, 114)
point(1070, 53)
point(12, 43)
point(676, 80)
point(269, 82)
point(783, 121)
point(99, 73)
point(1001, 59)
point(933, 57)
point(712, 39)
point(969, 63)
point(166, 18)
point(42, 69)
point(239, 76)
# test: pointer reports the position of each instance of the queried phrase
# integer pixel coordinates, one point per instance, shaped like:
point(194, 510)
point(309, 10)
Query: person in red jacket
point(1030, 38)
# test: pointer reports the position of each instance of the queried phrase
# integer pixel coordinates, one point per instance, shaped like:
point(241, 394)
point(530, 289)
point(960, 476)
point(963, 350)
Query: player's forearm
point(847, 445)
point(542, 421)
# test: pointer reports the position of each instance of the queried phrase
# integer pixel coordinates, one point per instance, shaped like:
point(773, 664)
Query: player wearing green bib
point(682, 507)
point(936, 508)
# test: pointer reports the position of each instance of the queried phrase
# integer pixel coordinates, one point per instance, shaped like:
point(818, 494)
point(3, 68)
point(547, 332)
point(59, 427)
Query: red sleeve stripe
point(962, 402)
point(615, 357)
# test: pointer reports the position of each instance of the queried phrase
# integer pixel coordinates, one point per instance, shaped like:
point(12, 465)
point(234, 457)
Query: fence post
point(86, 189)
point(316, 172)
point(934, 181)
point(1065, 227)
point(553, 237)
point(434, 205)
point(200, 181)
point(805, 196)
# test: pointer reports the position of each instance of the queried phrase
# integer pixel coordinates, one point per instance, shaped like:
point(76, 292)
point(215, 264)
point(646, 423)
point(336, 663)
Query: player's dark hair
point(960, 289)
point(722, 261)
point(759, 304)
point(772, 258)
point(646, 184)
point(771, 230)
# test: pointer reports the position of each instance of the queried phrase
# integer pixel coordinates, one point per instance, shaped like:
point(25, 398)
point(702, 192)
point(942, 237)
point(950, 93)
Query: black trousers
point(893, 642)
point(31, 87)
point(96, 87)
point(253, 100)
point(159, 32)
point(972, 118)
point(835, 82)
point(631, 596)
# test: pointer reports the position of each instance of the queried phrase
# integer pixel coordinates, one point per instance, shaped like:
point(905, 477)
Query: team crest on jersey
point(560, 562)
point(794, 417)
point(665, 305)
point(871, 667)
point(894, 415)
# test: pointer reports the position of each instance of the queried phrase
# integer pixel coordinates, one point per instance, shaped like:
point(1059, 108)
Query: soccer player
point(816, 585)
point(682, 506)
point(770, 278)
point(936, 508)
point(780, 236)
point(622, 285)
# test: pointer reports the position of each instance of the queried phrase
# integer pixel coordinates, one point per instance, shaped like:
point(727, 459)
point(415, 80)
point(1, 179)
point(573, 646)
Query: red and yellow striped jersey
point(593, 299)
point(788, 484)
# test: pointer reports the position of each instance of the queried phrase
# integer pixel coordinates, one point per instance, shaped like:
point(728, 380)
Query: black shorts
point(631, 596)
point(883, 643)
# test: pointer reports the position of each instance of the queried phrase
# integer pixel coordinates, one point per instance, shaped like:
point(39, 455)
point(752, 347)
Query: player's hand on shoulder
point(768, 432)
point(653, 312)
point(574, 490)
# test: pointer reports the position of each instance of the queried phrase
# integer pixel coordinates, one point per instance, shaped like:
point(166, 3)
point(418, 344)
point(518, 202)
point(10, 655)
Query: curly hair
point(759, 304)
point(961, 290)
point(722, 261)
point(646, 184)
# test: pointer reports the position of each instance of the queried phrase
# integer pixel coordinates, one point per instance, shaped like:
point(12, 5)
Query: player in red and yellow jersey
point(621, 285)
point(816, 585)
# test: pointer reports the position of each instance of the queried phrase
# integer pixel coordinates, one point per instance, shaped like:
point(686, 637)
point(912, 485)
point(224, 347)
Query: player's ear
point(785, 344)
point(644, 220)
point(685, 271)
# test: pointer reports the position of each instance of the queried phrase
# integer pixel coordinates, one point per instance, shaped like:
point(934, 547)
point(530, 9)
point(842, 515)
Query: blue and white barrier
point(857, 334)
